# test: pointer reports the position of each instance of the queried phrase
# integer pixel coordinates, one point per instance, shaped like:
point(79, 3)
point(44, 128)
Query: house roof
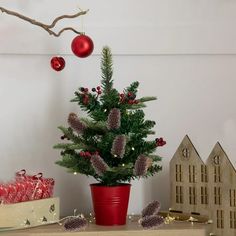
point(187, 141)
point(218, 148)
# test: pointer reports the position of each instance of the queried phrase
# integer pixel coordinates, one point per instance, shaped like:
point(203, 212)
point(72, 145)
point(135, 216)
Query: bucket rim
point(113, 186)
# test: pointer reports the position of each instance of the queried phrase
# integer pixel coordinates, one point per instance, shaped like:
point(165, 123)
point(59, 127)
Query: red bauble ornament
point(82, 46)
point(58, 63)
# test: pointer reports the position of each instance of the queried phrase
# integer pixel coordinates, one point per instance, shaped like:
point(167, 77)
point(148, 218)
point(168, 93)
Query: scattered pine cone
point(149, 222)
point(151, 209)
point(75, 224)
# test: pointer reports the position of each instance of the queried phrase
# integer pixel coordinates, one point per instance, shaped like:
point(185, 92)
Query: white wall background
point(181, 51)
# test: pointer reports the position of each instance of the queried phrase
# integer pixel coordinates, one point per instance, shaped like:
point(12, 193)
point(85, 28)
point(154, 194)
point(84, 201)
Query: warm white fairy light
point(133, 148)
point(75, 211)
point(75, 173)
point(123, 164)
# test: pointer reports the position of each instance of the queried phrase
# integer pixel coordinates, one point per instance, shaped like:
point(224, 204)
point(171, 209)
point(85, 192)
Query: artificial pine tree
point(110, 144)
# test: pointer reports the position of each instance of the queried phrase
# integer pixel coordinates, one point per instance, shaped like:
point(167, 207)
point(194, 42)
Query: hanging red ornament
point(58, 63)
point(82, 46)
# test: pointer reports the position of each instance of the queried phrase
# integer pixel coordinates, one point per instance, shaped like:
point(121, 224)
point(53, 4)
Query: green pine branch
point(147, 99)
point(155, 158)
point(97, 126)
point(107, 70)
point(136, 106)
point(96, 138)
point(70, 146)
point(68, 132)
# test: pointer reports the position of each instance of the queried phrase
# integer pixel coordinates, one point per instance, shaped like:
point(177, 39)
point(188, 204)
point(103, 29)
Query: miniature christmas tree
point(110, 144)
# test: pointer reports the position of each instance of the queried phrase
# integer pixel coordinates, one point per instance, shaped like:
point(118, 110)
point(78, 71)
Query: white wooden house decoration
point(204, 189)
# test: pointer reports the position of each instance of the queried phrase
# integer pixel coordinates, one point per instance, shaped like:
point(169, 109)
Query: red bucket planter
point(110, 203)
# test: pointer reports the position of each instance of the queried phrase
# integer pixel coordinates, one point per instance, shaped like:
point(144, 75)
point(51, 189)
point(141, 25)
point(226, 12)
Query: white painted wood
point(30, 213)
point(132, 228)
point(129, 27)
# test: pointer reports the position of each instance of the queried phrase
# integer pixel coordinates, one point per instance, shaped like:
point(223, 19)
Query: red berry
point(130, 94)
point(86, 90)
point(98, 88)
point(99, 92)
point(131, 102)
point(163, 143)
point(88, 154)
point(160, 142)
point(82, 154)
point(122, 95)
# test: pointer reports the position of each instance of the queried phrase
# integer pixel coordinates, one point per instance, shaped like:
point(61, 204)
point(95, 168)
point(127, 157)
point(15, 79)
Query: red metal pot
point(110, 203)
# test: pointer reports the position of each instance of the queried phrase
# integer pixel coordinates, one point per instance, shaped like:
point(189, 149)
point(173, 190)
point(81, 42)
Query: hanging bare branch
point(46, 27)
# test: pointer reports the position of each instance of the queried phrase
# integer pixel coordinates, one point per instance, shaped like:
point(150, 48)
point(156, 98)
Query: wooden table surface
point(132, 228)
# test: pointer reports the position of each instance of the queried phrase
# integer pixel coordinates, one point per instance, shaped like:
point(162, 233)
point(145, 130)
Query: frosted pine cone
point(141, 165)
point(76, 124)
point(75, 224)
point(151, 209)
point(118, 146)
point(149, 222)
point(113, 121)
point(99, 165)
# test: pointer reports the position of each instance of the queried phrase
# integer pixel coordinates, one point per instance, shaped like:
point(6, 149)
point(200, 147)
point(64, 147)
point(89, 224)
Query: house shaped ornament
point(200, 188)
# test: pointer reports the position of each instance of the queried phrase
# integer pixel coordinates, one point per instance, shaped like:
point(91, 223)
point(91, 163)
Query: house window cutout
point(216, 160)
point(217, 174)
point(204, 174)
point(192, 196)
point(185, 153)
point(195, 213)
point(217, 195)
point(192, 173)
point(204, 195)
point(232, 219)
point(178, 173)
point(176, 211)
point(220, 219)
point(232, 197)
point(179, 194)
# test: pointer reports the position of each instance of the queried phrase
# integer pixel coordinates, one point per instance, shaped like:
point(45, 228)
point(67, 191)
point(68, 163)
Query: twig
point(45, 26)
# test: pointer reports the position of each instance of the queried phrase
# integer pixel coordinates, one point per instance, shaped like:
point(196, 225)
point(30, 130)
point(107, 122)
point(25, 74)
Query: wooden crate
point(29, 214)
point(131, 229)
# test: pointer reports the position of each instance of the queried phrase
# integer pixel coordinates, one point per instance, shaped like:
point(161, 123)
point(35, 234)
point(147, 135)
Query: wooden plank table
point(131, 229)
